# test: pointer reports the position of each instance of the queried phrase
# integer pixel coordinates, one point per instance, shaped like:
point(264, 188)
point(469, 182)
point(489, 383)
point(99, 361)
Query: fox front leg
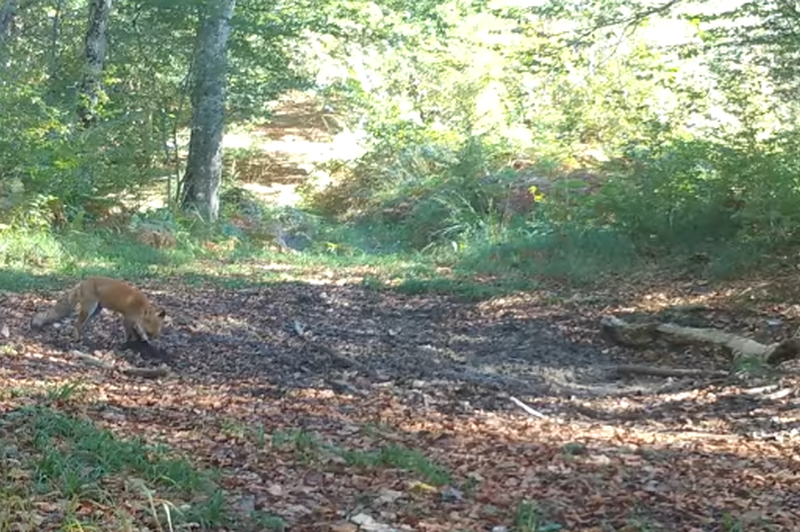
point(86, 313)
point(132, 329)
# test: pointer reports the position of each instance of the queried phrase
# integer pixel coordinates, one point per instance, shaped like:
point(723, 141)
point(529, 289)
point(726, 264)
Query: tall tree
point(203, 175)
point(8, 11)
point(95, 55)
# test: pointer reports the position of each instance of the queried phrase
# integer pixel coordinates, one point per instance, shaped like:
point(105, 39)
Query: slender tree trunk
point(8, 12)
point(95, 42)
point(203, 175)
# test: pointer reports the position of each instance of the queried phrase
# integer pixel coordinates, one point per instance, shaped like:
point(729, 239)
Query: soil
point(593, 450)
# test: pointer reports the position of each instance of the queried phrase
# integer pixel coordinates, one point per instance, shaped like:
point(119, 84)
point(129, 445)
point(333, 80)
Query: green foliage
point(530, 519)
point(459, 109)
point(668, 182)
point(751, 39)
point(424, 188)
point(73, 458)
point(676, 193)
point(693, 192)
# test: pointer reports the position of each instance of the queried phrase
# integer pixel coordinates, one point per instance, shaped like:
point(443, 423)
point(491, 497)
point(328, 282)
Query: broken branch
point(147, 373)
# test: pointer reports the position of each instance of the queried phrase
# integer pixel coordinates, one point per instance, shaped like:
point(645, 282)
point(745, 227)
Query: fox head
point(152, 321)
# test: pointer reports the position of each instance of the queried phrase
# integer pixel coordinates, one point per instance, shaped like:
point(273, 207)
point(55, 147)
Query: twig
point(147, 373)
point(780, 394)
point(669, 372)
point(337, 357)
point(496, 381)
point(761, 390)
point(528, 409)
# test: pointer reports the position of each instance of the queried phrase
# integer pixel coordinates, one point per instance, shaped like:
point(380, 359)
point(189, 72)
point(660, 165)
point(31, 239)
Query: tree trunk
point(8, 12)
point(95, 42)
point(201, 181)
point(54, 53)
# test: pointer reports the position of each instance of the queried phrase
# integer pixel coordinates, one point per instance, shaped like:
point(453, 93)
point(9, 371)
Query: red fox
point(96, 293)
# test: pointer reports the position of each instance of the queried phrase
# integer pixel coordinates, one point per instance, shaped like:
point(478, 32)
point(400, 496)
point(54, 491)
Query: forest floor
point(326, 405)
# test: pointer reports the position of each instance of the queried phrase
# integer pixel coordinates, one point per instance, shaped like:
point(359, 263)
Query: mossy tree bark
point(201, 182)
point(95, 53)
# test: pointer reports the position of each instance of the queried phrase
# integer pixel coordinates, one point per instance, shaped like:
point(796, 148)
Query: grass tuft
point(73, 464)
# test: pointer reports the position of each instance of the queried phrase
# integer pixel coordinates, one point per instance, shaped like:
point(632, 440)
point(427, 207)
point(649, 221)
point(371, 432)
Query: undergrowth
point(67, 463)
point(682, 204)
point(454, 216)
point(62, 469)
point(478, 264)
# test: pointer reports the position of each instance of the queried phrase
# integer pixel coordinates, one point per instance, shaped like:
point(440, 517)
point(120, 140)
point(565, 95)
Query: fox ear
point(162, 313)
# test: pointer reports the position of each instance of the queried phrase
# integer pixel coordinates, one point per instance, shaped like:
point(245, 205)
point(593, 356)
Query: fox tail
point(63, 308)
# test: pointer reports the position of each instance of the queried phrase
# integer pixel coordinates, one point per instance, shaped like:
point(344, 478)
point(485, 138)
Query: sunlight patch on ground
point(344, 145)
point(279, 194)
point(285, 151)
point(657, 301)
point(237, 140)
point(302, 147)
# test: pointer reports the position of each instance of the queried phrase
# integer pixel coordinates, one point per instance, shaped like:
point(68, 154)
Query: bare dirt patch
point(284, 150)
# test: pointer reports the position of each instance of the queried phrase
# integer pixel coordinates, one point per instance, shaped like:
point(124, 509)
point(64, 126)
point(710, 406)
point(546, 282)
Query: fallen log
point(641, 334)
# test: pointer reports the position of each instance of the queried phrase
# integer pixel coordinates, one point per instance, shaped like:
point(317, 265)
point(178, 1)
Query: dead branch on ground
point(146, 373)
point(656, 371)
point(641, 334)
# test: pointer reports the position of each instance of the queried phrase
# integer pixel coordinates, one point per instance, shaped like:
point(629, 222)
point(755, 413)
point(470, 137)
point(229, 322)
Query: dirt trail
point(435, 374)
point(284, 150)
point(423, 338)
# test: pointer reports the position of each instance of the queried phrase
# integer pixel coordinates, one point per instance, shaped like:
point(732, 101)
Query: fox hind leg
point(129, 332)
point(97, 309)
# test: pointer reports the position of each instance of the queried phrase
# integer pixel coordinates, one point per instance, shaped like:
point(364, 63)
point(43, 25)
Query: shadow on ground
point(300, 335)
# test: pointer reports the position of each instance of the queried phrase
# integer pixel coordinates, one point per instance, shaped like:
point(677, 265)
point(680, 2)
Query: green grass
point(308, 448)
point(480, 266)
point(399, 457)
point(65, 462)
point(36, 261)
point(529, 518)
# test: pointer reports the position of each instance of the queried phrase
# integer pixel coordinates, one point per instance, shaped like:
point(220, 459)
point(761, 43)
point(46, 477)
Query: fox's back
point(114, 294)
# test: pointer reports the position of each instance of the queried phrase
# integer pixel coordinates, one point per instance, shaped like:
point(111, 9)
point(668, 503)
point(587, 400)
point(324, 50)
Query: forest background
point(392, 238)
point(513, 140)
